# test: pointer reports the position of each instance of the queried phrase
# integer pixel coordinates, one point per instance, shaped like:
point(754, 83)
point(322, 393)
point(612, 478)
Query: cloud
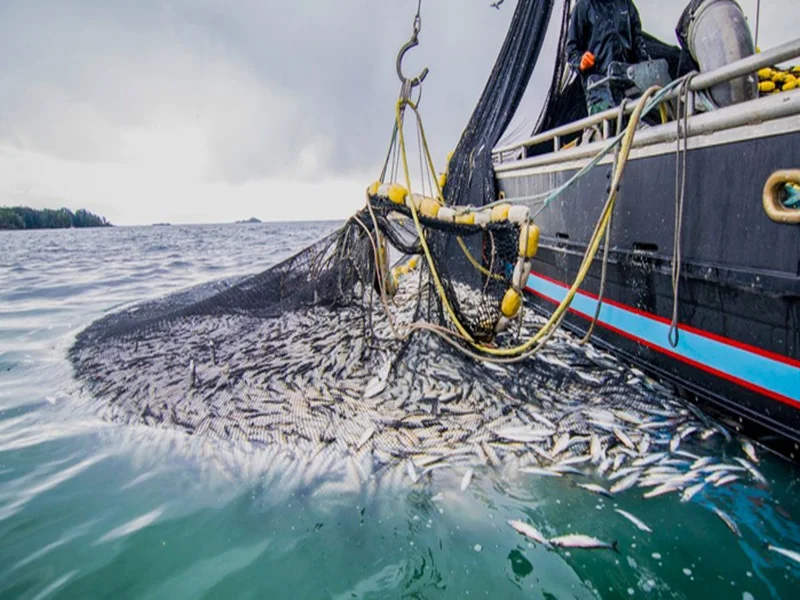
point(196, 109)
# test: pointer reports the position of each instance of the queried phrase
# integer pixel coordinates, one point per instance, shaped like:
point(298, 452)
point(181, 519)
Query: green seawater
point(92, 509)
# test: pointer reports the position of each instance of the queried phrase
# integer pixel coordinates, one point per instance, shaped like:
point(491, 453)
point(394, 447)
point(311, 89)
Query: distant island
point(22, 217)
point(250, 220)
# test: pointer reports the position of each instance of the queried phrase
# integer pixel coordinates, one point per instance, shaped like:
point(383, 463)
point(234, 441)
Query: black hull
point(739, 295)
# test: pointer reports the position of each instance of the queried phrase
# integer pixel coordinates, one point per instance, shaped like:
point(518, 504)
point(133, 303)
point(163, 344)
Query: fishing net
point(380, 347)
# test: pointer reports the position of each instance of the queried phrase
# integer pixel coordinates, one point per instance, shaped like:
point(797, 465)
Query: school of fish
point(322, 394)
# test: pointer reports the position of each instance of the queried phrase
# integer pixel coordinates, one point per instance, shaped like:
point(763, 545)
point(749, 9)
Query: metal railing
point(703, 81)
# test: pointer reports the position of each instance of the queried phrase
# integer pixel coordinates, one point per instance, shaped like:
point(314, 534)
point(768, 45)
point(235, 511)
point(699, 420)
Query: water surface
point(90, 508)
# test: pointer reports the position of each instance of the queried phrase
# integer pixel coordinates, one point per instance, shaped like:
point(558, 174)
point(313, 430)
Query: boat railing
point(701, 82)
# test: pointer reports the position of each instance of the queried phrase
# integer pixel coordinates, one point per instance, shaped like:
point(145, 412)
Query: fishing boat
point(699, 281)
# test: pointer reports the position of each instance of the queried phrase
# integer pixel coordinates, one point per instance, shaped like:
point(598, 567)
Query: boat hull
point(738, 342)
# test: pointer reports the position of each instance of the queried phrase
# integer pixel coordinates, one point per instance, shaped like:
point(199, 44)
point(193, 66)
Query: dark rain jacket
point(609, 29)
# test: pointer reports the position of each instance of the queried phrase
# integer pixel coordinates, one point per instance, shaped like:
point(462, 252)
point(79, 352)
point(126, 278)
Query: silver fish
point(664, 488)
point(623, 437)
point(753, 471)
point(702, 462)
point(466, 480)
point(561, 444)
point(592, 487)
point(750, 450)
point(634, 520)
point(582, 541)
point(728, 522)
point(529, 531)
point(795, 556)
point(625, 483)
point(649, 459)
point(691, 491)
point(725, 480)
point(539, 471)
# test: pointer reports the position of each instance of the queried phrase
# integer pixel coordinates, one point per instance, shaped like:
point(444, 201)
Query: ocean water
point(93, 509)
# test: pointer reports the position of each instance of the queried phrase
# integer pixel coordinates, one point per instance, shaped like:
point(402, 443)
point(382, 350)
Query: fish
point(753, 471)
point(561, 444)
point(596, 449)
point(592, 487)
point(691, 491)
point(623, 437)
point(412, 471)
point(649, 459)
point(539, 471)
point(561, 468)
point(701, 462)
point(795, 556)
point(664, 488)
point(529, 531)
point(728, 521)
point(675, 442)
point(625, 483)
point(586, 542)
point(634, 520)
point(644, 444)
point(750, 450)
point(467, 479)
point(725, 480)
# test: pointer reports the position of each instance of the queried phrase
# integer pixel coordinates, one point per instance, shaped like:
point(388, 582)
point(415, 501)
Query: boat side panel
point(724, 222)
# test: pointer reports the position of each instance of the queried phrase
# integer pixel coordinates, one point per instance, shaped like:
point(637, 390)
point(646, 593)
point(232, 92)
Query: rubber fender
point(796, 70)
point(529, 241)
point(765, 73)
point(519, 215)
point(522, 269)
point(429, 208)
point(483, 218)
point(465, 219)
point(373, 189)
point(446, 214)
point(789, 85)
point(397, 193)
point(512, 302)
point(500, 213)
point(765, 87)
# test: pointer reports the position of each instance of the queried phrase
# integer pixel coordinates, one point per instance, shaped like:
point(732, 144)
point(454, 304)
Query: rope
point(523, 350)
point(680, 194)
point(758, 20)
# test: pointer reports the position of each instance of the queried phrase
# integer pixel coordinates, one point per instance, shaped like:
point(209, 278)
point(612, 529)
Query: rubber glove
point(587, 61)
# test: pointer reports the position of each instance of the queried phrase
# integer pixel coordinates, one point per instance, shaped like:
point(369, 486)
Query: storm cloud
point(202, 109)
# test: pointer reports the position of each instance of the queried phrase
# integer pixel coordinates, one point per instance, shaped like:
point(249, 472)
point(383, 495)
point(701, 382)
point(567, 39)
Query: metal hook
point(413, 42)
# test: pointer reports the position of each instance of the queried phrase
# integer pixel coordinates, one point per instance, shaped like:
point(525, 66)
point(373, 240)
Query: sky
point(196, 111)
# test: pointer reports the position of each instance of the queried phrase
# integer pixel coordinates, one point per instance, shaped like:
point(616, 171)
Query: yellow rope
point(475, 263)
point(591, 250)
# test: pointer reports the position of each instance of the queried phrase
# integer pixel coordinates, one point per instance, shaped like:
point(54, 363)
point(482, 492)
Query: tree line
point(22, 217)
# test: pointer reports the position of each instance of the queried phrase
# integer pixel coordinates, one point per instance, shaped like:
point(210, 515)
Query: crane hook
point(412, 43)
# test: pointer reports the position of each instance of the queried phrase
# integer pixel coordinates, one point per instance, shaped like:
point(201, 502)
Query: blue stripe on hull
point(778, 377)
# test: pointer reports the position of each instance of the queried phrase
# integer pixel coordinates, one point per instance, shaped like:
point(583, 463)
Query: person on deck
point(600, 32)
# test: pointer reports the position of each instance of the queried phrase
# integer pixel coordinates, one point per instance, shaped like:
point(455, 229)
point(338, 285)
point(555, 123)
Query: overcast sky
point(208, 111)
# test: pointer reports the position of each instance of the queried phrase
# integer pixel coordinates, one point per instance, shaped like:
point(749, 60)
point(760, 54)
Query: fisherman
point(601, 32)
